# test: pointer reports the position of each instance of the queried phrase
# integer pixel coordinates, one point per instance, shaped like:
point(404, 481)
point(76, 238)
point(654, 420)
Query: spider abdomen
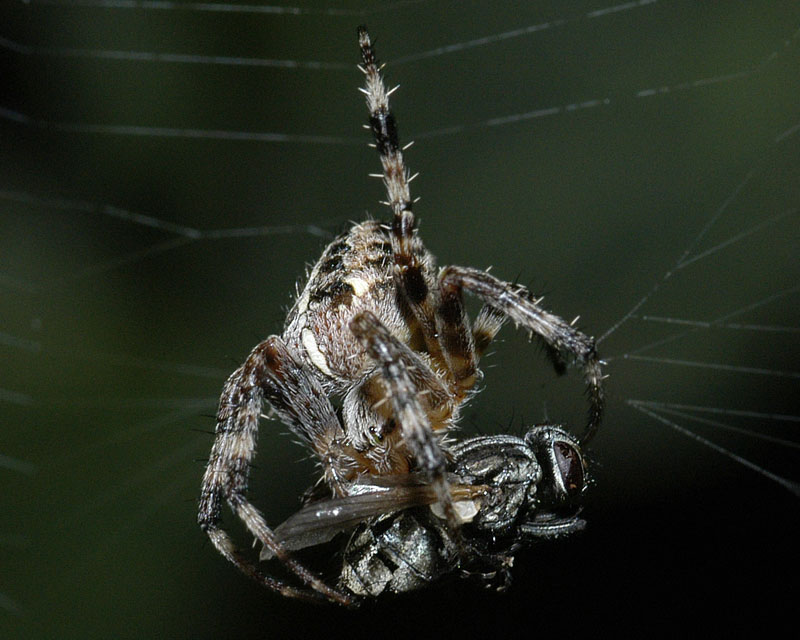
point(354, 274)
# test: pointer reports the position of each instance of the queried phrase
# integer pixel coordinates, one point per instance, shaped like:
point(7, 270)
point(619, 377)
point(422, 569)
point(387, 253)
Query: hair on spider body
point(380, 330)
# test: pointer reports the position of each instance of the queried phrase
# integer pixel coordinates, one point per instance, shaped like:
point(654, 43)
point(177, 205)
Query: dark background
point(122, 312)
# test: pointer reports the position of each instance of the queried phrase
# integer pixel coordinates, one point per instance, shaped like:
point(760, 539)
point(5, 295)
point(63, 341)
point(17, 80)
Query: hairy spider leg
point(409, 270)
point(396, 360)
point(516, 302)
point(301, 403)
point(443, 322)
point(487, 325)
point(268, 368)
point(441, 319)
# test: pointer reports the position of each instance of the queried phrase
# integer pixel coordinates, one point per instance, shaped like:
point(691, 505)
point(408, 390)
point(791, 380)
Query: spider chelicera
point(373, 365)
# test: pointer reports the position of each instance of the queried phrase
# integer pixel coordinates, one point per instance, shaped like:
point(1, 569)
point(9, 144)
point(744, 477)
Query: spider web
point(170, 167)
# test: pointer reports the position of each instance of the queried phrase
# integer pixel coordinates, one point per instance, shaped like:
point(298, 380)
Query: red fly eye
point(570, 466)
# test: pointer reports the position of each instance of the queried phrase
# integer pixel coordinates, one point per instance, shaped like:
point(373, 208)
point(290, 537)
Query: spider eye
point(380, 431)
point(570, 467)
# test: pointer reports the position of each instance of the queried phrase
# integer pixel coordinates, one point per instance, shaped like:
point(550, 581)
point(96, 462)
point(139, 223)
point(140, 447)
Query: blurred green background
point(157, 212)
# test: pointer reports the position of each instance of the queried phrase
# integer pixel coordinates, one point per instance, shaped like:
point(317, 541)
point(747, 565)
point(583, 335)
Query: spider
point(376, 359)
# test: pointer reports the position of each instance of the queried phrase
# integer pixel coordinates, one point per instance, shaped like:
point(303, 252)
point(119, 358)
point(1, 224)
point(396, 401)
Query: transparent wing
point(319, 522)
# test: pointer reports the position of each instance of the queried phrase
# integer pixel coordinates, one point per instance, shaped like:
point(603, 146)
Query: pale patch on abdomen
point(316, 356)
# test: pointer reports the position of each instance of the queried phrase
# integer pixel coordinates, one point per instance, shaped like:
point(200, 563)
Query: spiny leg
point(223, 543)
point(519, 304)
point(302, 404)
point(226, 478)
point(226, 475)
point(394, 358)
point(409, 269)
point(384, 128)
point(458, 344)
point(463, 347)
point(486, 326)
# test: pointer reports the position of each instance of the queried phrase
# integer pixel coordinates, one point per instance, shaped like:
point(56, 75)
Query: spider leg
point(396, 361)
point(410, 269)
point(457, 340)
point(301, 402)
point(487, 324)
point(516, 302)
point(444, 325)
point(384, 129)
point(269, 371)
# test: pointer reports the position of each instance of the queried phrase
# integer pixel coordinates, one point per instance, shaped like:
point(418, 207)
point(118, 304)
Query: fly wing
point(318, 522)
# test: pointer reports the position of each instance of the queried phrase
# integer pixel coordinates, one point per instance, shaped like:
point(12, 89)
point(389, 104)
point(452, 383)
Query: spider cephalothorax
point(380, 330)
